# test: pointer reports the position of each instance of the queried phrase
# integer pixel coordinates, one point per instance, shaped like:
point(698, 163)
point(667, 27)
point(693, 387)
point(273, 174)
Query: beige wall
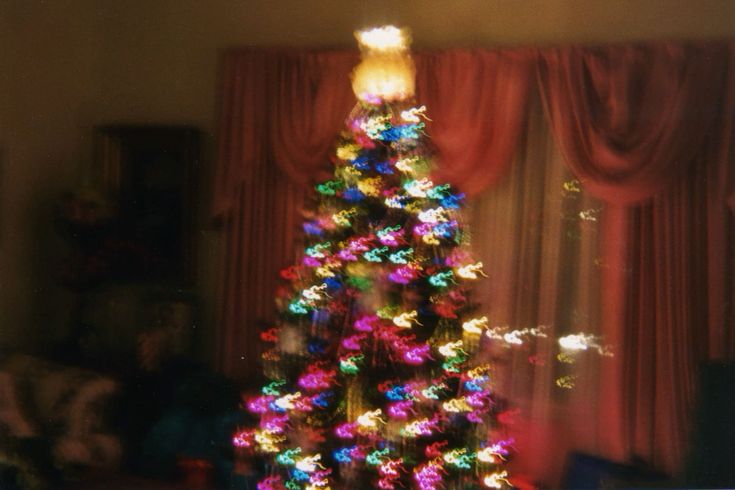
point(66, 65)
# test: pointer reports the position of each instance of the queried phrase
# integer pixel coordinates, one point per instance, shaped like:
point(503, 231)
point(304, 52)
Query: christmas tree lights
point(378, 371)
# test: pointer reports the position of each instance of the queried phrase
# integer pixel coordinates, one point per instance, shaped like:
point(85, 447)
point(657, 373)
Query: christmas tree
point(378, 372)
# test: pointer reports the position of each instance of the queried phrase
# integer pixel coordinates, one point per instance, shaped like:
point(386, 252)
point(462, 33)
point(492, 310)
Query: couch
point(54, 419)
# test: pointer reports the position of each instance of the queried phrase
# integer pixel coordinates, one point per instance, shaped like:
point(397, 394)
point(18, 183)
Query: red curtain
point(641, 126)
point(477, 101)
point(630, 121)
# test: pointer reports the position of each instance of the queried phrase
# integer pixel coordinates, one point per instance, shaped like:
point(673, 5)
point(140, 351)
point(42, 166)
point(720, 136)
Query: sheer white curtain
point(537, 235)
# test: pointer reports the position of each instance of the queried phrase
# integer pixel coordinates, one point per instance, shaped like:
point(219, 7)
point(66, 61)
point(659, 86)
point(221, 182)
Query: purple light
point(346, 431)
point(366, 323)
point(260, 404)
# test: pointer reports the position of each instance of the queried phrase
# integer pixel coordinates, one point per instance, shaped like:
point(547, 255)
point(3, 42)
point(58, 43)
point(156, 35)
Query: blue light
point(384, 168)
point(353, 194)
point(452, 201)
point(361, 163)
point(332, 283)
point(407, 131)
point(272, 406)
point(472, 386)
point(317, 347)
point(342, 455)
point(312, 228)
point(322, 400)
point(395, 393)
point(299, 475)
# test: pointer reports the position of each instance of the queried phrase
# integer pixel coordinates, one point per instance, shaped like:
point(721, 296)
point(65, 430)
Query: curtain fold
point(477, 103)
point(630, 119)
point(311, 97)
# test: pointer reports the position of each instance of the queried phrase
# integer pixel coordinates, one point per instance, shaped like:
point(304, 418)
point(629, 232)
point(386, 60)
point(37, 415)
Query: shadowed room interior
point(156, 158)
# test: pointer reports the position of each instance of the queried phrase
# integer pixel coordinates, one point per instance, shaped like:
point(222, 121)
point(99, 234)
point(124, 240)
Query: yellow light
point(479, 371)
point(386, 38)
point(386, 72)
point(470, 271)
point(405, 165)
point(433, 216)
point(456, 405)
point(315, 293)
point(286, 401)
point(348, 151)
point(496, 480)
point(416, 428)
point(404, 319)
point(309, 464)
point(475, 326)
point(430, 239)
point(369, 420)
point(418, 188)
point(451, 349)
point(318, 485)
point(370, 187)
point(412, 115)
point(581, 341)
point(490, 454)
point(325, 271)
point(267, 441)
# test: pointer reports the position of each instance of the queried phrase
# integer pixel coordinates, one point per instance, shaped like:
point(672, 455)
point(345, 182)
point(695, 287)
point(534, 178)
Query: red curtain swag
point(649, 128)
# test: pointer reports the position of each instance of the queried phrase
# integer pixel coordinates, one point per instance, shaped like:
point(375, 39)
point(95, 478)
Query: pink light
point(366, 323)
point(457, 296)
point(311, 261)
point(274, 423)
point(243, 438)
point(403, 274)
point(391, 238)
point(260, 404)
point(400, 410)
point(476, 417)
point(358, 453)
point(386, 484)
point(422, 229)
point(389, 469)
point(320, 475)
point(458, 257)
point(478, 399)
point(304, 404)
point(347, 255)
point(428, 476)
point(316, 379)
point(353, 342)
point(271, 483)
point(416, 356)
point(346, 431)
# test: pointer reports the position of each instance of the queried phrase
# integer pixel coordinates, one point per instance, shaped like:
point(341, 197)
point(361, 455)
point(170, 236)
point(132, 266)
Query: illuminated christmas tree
point(378, 372)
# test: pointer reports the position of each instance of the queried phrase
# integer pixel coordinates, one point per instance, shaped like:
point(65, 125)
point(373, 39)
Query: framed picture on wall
point(150, 172)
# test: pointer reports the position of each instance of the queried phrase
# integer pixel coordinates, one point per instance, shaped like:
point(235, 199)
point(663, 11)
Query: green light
point(441, 279)
point(329, 188)
point(373, 459)
point(272, 388)
point(361, 283)
point(439, 192)
point(374, 254)
point(400, 256)
point(286, 457)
